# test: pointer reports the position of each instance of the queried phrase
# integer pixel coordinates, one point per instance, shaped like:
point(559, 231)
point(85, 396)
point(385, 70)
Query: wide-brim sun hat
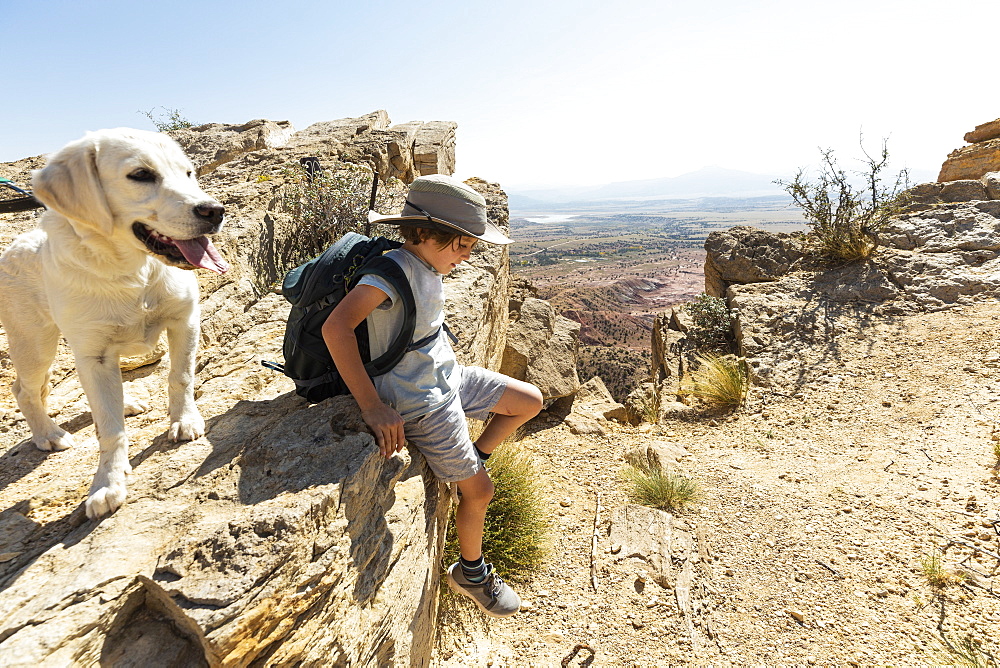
point(443, 201)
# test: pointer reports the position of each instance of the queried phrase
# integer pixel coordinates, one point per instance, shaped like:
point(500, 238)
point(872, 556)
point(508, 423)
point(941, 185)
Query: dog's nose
point(210, 212)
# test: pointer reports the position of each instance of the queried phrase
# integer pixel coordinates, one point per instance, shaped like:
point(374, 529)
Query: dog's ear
point(69, 184)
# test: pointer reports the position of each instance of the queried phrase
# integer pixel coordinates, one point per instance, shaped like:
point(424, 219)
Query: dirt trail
point(817, 511)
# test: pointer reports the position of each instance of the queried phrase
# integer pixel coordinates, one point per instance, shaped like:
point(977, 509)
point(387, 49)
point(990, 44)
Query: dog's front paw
point(54, 441)
point(105, 500)
point(187, 428)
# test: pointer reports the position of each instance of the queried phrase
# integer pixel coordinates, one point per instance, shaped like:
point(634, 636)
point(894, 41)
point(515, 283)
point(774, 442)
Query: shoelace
point(494, 583)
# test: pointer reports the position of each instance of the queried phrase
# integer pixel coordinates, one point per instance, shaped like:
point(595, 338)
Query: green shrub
point(323, 208)
point(653, 486)
point(722, 381)
point(173, 121)
point(515, 533)
point(846, 219)
point(712, 323)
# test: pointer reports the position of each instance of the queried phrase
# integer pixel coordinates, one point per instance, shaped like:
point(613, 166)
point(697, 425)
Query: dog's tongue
point(201, 253)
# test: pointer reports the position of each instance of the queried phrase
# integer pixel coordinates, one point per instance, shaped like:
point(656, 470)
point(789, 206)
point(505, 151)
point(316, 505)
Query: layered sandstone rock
point(984, 132)
point(745, 254)
point(668, 337)
point(215, 144)
point(542, 349)
point(980, 157)
point(281, 537)
point(934, 257)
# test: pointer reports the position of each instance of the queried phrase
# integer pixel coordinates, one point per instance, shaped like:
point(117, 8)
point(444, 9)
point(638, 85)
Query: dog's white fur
point(84, 273)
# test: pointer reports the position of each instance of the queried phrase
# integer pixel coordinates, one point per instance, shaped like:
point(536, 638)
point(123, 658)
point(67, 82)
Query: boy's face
point(445, 259)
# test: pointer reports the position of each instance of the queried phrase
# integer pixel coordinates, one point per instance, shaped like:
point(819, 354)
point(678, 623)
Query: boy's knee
point(533, 401)
point(537, 401)
point(480, 492)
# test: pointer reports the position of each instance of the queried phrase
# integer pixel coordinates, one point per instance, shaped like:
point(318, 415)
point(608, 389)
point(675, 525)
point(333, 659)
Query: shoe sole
point(459, 589)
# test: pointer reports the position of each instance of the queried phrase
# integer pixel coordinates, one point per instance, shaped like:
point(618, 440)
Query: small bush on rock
point(329, 204)
point(173, 120)
point(845, 219)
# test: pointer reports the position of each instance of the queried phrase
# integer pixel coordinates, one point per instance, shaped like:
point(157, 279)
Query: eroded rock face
point(745, 254)
point(980, 157)
point(984, 132)
point(542, 349)
point(933, 258)
point(667, 351)
point(215, 144)
point(281, 537)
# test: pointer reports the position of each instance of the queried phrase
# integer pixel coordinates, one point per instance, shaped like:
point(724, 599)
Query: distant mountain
point(706, 182)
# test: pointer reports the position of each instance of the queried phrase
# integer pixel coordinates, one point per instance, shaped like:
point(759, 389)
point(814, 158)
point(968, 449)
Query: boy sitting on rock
point(426, 397)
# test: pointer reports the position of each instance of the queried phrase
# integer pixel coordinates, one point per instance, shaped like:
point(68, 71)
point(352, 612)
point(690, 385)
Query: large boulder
point(979, 158)
point(746, 254)
point(984, 132)
point(215, 144)
point(971, 162)
point(542, 349)
point(667, 350)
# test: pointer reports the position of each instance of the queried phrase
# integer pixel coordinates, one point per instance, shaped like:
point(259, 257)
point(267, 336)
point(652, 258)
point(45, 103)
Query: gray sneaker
point(492, 595)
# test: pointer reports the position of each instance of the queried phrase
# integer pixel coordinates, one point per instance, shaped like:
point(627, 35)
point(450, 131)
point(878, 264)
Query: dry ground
point(818, 509)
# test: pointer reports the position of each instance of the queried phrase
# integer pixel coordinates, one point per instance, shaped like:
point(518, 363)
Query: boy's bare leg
point(519, 403)
point(470, 515)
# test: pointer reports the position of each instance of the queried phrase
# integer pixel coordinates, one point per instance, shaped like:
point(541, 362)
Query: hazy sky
point(545, 92)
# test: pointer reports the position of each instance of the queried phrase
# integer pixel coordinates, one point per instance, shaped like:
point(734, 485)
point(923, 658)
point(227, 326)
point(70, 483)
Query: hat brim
point(491, 234)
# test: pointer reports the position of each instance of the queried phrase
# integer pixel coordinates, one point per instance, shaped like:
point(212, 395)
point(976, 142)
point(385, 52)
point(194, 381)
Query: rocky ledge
point(281, 537)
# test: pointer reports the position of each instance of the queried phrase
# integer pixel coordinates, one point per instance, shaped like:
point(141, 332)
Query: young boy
point(427, 396)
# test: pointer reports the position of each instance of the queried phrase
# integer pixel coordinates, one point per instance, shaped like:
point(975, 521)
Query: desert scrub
point(712, 323)
point(327, 205)
point(966, 651)
point(515, 534)
point(653, 486)
point(995, 439)
point(647, 403)
point(173, 120)
point(936, 574)
point(721, 381)
point(846, 219)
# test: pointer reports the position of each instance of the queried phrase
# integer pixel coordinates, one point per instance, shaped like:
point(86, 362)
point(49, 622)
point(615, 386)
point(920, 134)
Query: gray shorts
point(442, 435)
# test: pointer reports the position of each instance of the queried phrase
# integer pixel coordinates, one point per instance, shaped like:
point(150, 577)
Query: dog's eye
point(189, 174)
point(143, 175)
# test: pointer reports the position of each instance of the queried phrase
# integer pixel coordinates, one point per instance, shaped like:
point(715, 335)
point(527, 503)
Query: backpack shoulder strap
point(393, 273)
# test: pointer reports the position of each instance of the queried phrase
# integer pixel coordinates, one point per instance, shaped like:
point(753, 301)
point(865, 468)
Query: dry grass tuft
point(936, 574)
point(648, 403)
point(722, 381)
point(967, 652)
point(653, 486)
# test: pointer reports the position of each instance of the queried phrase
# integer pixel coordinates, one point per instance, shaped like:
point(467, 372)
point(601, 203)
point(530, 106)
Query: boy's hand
point(387, 427)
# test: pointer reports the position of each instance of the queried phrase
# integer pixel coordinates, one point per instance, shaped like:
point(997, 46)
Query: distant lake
point(555, 218)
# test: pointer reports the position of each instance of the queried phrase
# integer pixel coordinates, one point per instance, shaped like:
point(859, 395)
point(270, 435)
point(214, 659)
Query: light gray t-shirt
point(425, 378)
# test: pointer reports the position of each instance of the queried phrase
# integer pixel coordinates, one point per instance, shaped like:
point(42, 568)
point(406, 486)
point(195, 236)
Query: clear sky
point(545, 92)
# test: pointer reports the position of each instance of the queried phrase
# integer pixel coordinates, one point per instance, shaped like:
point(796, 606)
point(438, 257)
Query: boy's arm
point(338, 333)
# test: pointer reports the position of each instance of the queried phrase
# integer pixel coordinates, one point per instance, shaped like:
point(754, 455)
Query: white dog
point(106, 267)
